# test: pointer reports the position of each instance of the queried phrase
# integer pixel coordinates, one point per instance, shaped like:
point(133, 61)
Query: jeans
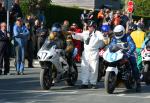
point(20, 58)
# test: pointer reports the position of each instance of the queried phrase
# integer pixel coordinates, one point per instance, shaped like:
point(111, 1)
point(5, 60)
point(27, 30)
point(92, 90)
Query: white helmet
point(119, 31)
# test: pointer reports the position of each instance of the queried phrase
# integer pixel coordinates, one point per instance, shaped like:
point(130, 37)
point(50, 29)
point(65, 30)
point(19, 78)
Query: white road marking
point(35, 91)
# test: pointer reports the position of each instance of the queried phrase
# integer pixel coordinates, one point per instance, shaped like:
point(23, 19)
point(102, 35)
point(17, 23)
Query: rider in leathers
point(63, 42)
point(125, 39)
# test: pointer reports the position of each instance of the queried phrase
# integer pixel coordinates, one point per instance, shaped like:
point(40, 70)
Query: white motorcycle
point(118, 69)
point(54, 68)
point(146, 62)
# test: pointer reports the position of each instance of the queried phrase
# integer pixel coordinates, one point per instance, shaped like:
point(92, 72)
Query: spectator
point(29, 46)
point(4, 48)
point(2, 13)
point(100, 17)
point(91, 15)
point(15, 11)
point(36, 26)
point(138, 37)
point(42, 17)
point(124, 19)
point(116, 20)
point(20, 38)
point(65, 26)
point(77, 43)
point(84, 19)
point(42, 34)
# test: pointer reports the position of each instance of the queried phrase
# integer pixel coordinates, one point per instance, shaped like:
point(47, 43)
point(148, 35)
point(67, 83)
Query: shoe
point(30, 66)
point(22, 73)
point(0, 72)
point(6, 73)
point(93, 86)
point(138, 87)
point(83, 86)
point(18, 73)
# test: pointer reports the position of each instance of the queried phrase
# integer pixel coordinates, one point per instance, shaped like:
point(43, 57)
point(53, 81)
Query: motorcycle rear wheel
point(72, 76)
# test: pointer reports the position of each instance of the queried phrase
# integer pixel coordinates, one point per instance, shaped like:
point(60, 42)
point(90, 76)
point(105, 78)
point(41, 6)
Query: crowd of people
point(109, 27)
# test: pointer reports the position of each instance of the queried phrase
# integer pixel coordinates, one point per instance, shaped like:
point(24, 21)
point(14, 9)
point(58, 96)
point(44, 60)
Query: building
point(89, 4)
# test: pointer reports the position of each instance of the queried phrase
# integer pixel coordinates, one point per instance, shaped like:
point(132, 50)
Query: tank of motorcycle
point(112, 57)
point(145, 55)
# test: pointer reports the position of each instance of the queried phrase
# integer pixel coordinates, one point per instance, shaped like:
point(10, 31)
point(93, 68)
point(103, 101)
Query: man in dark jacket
point(4, 46)
point(42, 34)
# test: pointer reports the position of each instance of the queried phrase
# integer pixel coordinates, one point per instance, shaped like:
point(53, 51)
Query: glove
point(127, 55)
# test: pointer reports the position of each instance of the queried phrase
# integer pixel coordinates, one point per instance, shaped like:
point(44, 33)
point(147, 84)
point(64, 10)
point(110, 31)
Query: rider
point(121, 37)
point(63, 42)
point(105, 29)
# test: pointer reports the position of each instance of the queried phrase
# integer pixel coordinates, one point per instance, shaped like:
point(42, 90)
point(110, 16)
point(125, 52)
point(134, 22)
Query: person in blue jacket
point(121, 38)
point(20, 34)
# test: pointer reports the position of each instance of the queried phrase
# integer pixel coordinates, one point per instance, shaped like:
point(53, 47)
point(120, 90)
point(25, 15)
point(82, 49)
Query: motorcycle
point(118, 70)
point(54, 68)
point(146, 63)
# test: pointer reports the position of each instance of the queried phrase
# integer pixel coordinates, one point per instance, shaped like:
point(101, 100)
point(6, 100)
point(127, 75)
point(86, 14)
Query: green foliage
point(32, 6)
point(59, 14)
point(142, 8)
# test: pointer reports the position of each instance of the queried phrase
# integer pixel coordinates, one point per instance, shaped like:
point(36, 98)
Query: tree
point(34, 6)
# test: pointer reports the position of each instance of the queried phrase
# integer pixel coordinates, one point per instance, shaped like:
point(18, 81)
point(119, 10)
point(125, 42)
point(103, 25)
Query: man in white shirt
point(93, 40)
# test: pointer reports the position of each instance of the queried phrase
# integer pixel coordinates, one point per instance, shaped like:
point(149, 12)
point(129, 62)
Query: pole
point(7, 15)
point(8, 20)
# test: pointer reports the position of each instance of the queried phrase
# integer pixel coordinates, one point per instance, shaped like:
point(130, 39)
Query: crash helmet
point(56, 27)
point(105, 28)
point(119, 31)
point(91, 23)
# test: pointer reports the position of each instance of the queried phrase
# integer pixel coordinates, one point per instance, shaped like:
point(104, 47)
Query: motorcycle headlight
point(50, 57)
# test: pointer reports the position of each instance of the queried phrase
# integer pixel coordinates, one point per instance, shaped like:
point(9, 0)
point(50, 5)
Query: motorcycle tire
point(130, 84)
point(110, 81)
point(45, 79)
point(146, 74)
point(100, 70)
point(72, 76)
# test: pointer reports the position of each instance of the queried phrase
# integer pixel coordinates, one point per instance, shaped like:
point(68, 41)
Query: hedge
point(59, 14)
point(56, 13)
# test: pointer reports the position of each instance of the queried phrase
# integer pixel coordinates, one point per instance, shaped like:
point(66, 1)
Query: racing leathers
point(128, 42)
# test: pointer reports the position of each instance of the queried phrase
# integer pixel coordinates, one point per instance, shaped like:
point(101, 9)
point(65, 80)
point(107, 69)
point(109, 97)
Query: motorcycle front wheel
point(110, 81)
point(45, 79)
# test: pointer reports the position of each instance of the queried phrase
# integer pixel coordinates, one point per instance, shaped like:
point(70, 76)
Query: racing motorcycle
point(118, 70)
point(146, 62)
point(53, 67)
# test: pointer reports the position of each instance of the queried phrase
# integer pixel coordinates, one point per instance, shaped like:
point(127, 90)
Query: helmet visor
point(118, 34)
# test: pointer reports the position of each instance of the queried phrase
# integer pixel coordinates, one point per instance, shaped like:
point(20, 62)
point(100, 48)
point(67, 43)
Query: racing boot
point(138, 86)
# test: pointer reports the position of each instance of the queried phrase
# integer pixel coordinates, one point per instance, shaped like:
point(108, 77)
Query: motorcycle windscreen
point(112, 57)
point(47, 45)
